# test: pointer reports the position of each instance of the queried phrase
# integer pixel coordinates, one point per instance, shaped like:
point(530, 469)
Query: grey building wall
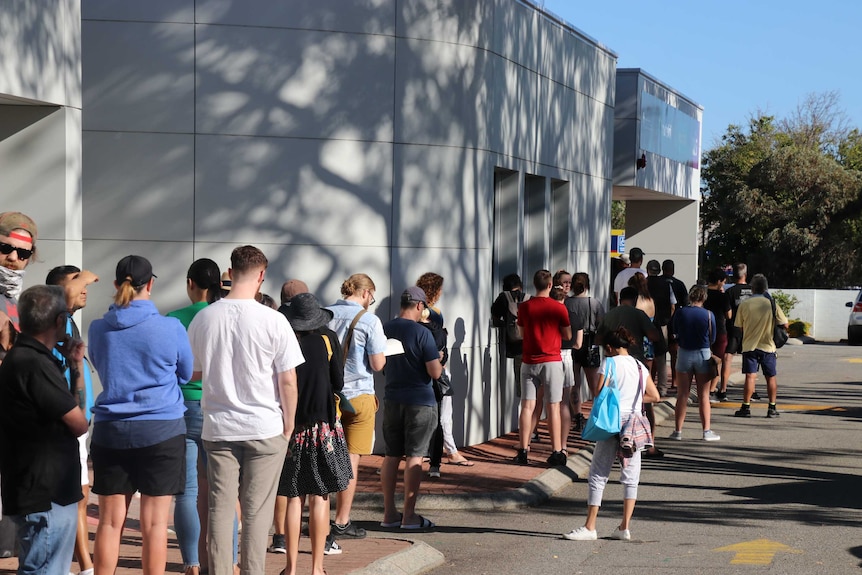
point(349, 137)
point(662, 198)
point(40, 125)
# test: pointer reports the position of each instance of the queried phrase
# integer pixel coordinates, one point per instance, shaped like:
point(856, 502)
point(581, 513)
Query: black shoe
point(579, 422)
point(755, 396)
point(521, 458)
point(557, 458)
point(278, 544)
point(331, 547)
point(349, 531)
point(772, 412)
point(721, 396)
point(743, 411)
point(535, 437)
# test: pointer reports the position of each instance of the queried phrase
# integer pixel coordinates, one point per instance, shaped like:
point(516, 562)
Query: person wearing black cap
point(317, 463)
point(409, 409)
point(138, 441)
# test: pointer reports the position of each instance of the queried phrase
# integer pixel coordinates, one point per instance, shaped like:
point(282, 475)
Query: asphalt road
point(773, 496)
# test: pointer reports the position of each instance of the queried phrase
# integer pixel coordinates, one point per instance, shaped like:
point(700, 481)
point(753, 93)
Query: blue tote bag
point(605, 418)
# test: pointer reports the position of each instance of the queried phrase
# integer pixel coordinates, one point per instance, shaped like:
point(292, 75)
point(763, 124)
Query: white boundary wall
point(824, 309)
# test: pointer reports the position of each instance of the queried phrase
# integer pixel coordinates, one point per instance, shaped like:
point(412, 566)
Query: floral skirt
point(318, 462)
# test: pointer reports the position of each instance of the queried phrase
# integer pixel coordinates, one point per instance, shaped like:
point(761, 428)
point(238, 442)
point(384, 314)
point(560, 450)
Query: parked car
point(854, 324)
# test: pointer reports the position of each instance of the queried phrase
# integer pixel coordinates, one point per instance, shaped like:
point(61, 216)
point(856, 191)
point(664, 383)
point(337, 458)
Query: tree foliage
point(786, 197)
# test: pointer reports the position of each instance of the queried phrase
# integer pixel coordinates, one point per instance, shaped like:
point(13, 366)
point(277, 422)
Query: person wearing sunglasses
point(17, 247)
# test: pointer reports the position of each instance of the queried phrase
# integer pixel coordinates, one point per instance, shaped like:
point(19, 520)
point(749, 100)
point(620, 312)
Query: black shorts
point(734, 340)
point(154, 470)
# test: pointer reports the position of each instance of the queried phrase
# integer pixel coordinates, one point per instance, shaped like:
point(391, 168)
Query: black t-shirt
point(717, 303)
point(737, 294)
point(318, 378)
point(634, 320)
point(39, 460)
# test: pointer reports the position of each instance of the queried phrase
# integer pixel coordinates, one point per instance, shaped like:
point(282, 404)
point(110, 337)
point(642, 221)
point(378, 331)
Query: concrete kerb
point(532, 493)
point(421, 557)
point(418, 558)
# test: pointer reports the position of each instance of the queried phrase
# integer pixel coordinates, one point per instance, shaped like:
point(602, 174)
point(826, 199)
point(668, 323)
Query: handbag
point(779, 334)
point(442, 386)
point(594, 356)
point(605, 417)
point(714, 360)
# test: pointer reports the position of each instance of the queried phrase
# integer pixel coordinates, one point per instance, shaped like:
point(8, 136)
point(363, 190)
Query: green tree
point(785, 198)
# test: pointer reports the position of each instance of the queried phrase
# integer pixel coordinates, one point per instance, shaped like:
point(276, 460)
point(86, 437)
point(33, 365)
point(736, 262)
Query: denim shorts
point(693, 360)
point(751, 360)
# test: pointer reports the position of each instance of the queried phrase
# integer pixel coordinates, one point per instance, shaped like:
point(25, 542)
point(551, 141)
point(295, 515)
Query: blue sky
point(733, 57)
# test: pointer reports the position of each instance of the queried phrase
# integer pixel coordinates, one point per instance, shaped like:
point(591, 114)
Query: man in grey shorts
point(409, 409)
point(544, 323)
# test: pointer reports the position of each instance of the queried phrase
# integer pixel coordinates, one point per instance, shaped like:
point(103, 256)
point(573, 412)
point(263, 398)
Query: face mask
point(11, 282)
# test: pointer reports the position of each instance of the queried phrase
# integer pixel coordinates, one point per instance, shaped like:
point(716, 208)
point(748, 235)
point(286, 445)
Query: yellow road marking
point(757, 552)
point(855, 360)
point(781, 406)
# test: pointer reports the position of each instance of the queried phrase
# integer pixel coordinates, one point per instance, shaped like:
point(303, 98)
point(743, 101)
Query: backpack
point(512, 331)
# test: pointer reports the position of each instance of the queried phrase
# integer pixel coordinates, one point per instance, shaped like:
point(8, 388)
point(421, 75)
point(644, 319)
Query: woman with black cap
point(317, 463)
point(138, 441)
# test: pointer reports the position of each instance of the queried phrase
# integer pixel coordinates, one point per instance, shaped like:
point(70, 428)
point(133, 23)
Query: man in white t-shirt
point(246, 354)
point(636, 256)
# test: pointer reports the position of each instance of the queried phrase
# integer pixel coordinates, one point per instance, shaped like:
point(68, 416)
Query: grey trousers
point(249, 470)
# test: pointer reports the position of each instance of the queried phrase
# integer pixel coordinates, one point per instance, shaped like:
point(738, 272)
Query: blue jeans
point(187, 522)
point(47, 540)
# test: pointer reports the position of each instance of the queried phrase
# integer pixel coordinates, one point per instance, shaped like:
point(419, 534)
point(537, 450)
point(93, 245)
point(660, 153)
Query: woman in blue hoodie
point(138, 441)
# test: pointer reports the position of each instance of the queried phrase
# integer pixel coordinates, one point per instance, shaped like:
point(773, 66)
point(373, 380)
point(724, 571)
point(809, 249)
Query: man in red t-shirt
point(544, 324)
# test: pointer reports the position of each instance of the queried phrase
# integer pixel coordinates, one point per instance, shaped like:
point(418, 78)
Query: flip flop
point(423, 524)
point(462, 463)
point(392, 524)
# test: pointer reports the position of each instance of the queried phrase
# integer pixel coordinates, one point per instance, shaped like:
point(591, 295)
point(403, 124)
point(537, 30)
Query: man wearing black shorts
point(409, 408)
point(737, 294)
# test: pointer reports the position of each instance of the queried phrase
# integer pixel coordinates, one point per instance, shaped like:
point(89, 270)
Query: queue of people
point(230, 396)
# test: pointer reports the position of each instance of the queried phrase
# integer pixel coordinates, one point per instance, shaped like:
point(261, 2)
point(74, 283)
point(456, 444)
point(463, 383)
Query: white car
point(854, 324)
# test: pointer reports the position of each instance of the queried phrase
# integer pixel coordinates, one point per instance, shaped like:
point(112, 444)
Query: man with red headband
point(17, 247)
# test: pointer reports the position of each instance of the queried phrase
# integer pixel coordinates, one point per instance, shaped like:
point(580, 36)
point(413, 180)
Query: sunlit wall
point(346, 137)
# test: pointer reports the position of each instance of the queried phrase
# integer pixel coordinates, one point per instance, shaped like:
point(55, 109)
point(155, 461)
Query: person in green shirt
point(203, 286)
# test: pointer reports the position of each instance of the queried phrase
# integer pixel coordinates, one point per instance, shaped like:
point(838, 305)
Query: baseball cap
point(414, 293)
point(10, 221)
point(291, 289)
point(137, 269)
point(626, 259)
point(653, 266)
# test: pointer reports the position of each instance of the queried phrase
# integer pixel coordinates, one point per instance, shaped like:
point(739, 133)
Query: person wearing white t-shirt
point(245, 355)
point(636, 256)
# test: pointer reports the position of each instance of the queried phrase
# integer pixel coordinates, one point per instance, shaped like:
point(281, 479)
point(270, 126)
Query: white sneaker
point(676, 436)
point(621, 534)
point(581, 534)
point(710, 435)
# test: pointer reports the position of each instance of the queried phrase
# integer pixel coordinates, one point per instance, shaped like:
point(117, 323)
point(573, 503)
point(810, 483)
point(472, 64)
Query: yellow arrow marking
point(757, 552)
